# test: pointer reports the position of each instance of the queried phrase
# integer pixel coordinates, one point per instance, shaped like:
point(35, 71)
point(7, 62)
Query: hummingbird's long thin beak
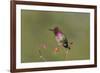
point(51, 29)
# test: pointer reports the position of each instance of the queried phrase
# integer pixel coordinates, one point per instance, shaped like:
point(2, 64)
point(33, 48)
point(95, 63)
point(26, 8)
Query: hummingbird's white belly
point(59, 38)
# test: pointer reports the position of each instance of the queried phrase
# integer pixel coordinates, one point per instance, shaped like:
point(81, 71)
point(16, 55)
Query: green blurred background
point(35, 33)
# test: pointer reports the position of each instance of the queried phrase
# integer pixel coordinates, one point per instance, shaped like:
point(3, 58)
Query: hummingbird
point(60, 37)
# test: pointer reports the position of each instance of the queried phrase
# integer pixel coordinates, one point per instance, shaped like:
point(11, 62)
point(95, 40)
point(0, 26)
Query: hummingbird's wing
point(65, 37)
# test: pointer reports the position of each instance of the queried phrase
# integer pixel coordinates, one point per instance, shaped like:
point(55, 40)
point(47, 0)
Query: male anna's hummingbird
point(60, 37)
